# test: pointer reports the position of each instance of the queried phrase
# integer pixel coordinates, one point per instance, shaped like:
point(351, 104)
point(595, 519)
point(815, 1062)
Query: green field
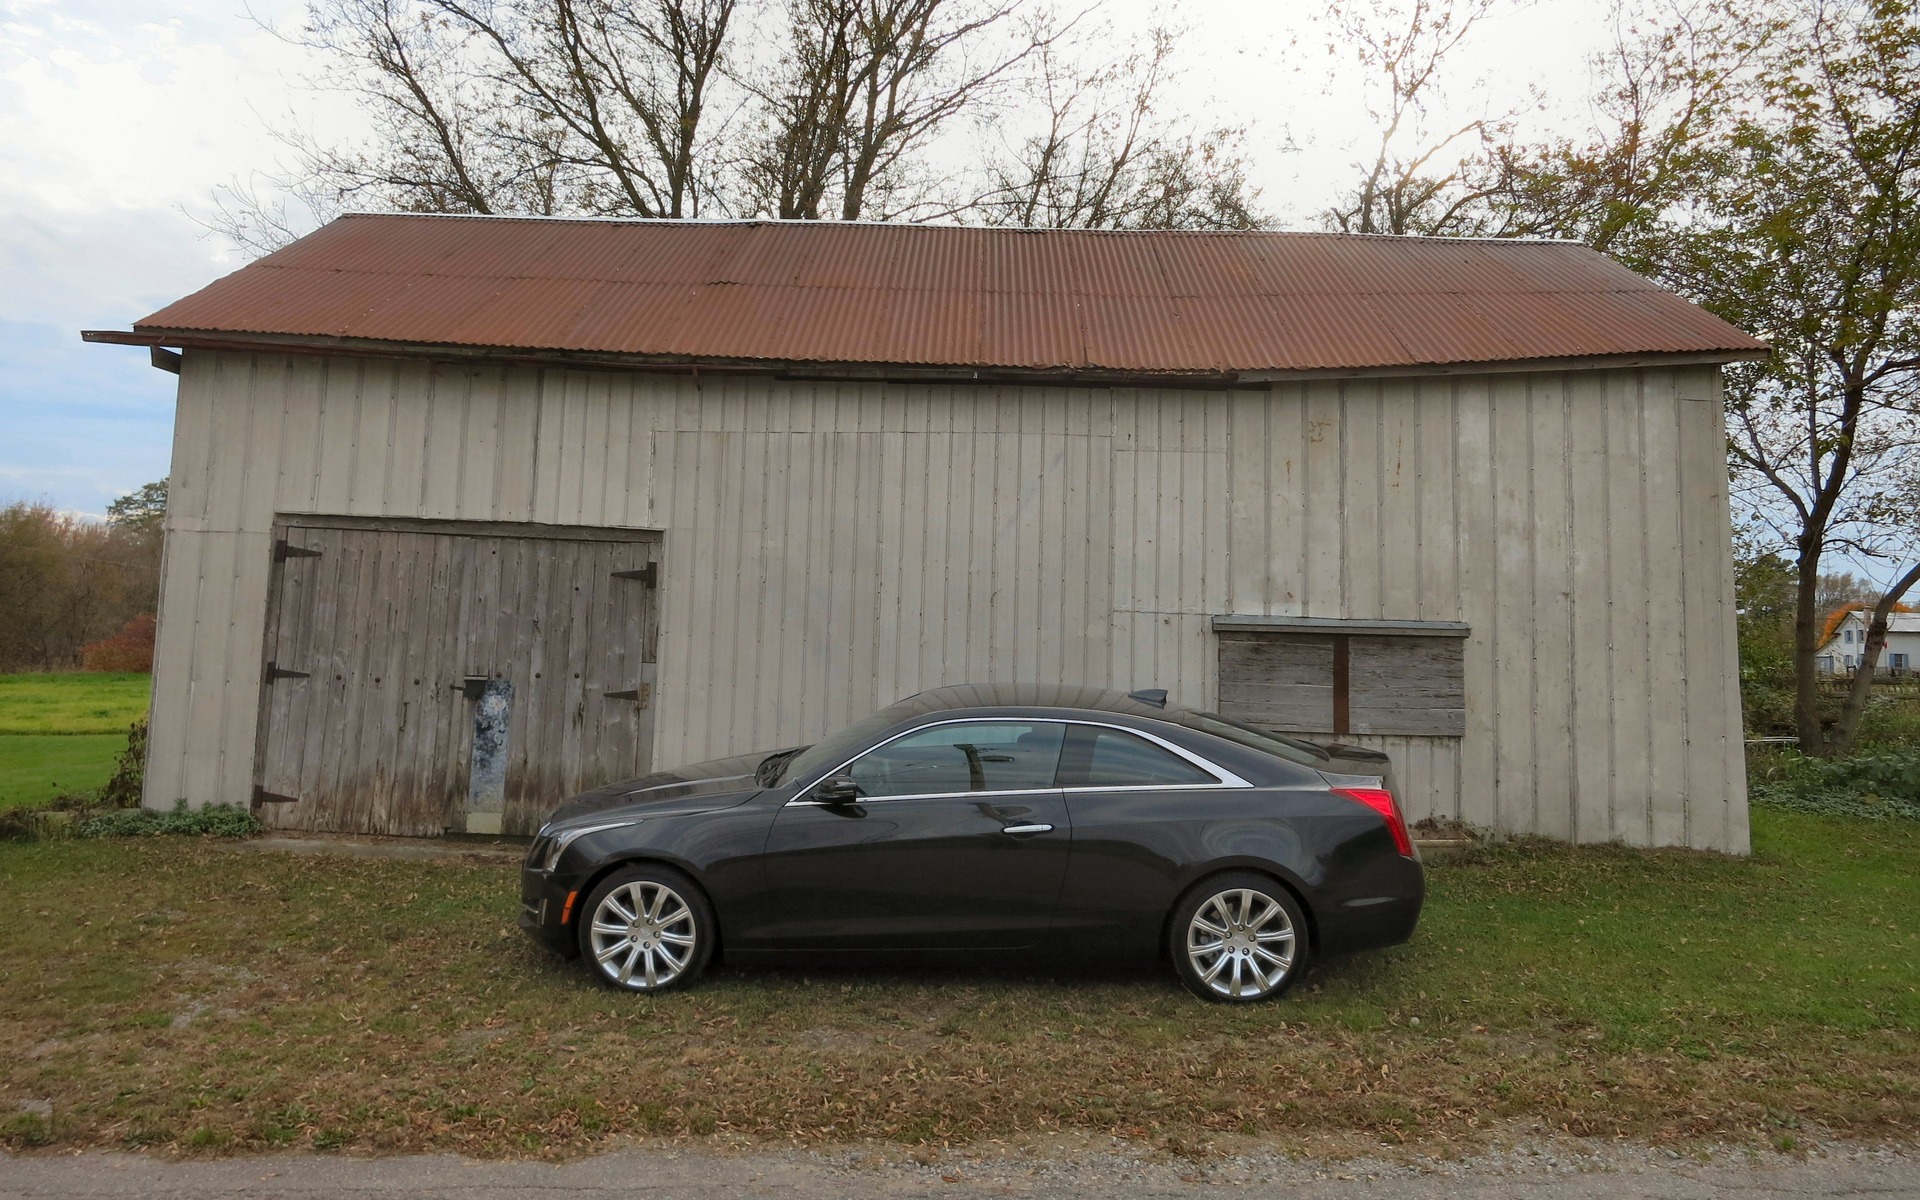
point(61, 733)
point(80, 702)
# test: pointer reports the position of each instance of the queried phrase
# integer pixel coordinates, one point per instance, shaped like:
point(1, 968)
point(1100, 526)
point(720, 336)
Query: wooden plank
point(298, 454)
point(212, 618)
point(1436, 560)
point(1591, 503)
point(1477, 557)
point(1512, 581)
point(1630, 653)
point(895, 631)
point(169, 731)
point(518, 430)
point(1406, 686)
point(193, 434)
point(1666, 676)
point(408, 455)
point(443, 441)
point(1279, 682)
point(480, 449)
point(245, 634)
point(1399, 531)
point(1249, 536)
point(1706, 615)
point(1362, 480)
point(1322, 530)
point(372, 434)
point(1096, 611)
point(1549, 625)
point(229, 394)
point(863, 566)
point(1286, 592)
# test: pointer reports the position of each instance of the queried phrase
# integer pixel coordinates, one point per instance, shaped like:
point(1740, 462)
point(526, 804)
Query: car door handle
point(1019, 829)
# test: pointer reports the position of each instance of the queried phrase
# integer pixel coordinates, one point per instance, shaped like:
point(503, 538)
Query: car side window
point(1097, 757)
point(973, 756)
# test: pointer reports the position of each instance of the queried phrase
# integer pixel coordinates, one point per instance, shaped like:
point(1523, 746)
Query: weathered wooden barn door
point(426, 676)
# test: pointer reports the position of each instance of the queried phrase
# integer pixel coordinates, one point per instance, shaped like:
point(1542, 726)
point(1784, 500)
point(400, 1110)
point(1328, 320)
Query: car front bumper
point(545, 912)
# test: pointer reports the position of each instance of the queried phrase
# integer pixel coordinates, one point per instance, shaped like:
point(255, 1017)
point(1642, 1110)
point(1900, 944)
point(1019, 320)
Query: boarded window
point(1344, 683)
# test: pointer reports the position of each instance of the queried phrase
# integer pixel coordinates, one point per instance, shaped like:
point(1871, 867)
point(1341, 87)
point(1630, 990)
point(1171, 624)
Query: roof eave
point(185, 339)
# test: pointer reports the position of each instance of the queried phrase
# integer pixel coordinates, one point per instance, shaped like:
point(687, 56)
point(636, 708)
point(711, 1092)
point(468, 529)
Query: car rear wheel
point(1238, 938)
point(648, 928)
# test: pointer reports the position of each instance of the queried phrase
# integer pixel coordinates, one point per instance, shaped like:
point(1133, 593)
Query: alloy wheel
point(1241, 943)
point(643, 935)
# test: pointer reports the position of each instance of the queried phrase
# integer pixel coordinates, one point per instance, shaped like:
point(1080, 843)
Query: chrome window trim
point(1224, 779)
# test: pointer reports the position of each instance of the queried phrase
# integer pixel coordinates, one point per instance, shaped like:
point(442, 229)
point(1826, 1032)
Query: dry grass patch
point(198, 998)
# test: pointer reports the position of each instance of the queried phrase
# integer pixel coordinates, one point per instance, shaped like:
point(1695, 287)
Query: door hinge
point(282, 551)
point(263, 796)
point(649, 574)
point(277, 672)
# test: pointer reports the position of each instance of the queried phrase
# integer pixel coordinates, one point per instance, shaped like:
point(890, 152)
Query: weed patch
point(215, 820)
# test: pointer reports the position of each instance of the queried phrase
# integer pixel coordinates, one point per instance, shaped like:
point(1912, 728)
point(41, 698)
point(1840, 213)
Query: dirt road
point(1610, 1173)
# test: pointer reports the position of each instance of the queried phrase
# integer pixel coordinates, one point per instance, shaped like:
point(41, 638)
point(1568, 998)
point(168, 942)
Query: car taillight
point(1380, 800)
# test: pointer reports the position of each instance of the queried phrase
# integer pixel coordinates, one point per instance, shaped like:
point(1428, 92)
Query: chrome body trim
point(1223, 778)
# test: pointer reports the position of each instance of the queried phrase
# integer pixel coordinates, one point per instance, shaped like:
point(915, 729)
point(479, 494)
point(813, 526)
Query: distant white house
point(1843, 652)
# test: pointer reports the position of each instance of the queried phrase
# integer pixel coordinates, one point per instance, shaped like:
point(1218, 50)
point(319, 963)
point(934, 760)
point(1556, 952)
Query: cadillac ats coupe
point(994, 820)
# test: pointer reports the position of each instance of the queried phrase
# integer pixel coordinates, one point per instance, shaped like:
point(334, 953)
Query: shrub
point(129, 650)
point(123, 790)
point(1875, 786)
point(215, 820)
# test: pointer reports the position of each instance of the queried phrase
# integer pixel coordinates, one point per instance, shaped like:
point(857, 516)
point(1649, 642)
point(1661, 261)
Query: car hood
point(699, 787)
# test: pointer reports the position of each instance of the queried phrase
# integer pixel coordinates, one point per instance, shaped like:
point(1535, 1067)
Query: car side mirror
point(837, 789)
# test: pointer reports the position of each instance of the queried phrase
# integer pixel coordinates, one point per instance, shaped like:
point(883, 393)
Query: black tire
point(1262, 944)
point(650, 952)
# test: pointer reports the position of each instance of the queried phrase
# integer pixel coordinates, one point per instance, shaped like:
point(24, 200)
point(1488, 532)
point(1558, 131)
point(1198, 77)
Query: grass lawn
point(201, 997)
point(34, 768)
point(62, 733)
point(78, 702)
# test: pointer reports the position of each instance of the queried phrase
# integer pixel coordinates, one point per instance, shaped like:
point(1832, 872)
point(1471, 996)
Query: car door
point(1142, 808)
point(958, 840)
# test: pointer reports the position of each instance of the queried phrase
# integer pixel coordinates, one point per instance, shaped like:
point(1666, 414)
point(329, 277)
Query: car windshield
point(1266, 741)
point(830, 751)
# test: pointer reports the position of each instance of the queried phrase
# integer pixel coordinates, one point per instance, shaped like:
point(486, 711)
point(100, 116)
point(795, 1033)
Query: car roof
point(1031, 695)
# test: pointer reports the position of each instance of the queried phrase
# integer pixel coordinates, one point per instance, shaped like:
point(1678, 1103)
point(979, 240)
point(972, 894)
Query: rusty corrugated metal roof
point(948, 296)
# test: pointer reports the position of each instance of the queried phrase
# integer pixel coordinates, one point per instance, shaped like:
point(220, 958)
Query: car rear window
point(1098, 757)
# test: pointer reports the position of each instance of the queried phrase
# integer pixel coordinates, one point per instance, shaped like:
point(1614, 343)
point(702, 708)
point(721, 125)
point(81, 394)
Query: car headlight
point(548, 847)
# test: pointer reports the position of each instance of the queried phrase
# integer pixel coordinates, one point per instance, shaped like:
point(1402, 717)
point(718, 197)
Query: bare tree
point(1420, 178)
point(536, 106)
point(862, 86)
point(1667, 88)
point(1110, 156)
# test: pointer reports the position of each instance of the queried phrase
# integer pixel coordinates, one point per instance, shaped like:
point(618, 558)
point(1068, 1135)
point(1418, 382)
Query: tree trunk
point(1806, 644)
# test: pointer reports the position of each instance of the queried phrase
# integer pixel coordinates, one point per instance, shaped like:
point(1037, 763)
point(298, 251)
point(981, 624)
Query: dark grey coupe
point(990, 819)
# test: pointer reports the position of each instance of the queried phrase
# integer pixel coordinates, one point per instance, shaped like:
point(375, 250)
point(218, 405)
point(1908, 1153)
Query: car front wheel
point(648, 929)
point(1238, 938)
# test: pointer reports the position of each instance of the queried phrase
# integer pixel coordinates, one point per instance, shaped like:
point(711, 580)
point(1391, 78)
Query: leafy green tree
point(1812, 241)
point(142, 512)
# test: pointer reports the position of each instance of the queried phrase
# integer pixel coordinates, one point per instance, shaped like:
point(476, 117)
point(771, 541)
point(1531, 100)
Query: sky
point(120, 119)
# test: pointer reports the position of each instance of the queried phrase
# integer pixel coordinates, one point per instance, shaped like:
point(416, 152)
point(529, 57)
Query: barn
point(471, 512)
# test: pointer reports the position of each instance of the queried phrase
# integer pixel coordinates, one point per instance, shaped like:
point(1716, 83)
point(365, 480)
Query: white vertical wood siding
point(833, 547)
